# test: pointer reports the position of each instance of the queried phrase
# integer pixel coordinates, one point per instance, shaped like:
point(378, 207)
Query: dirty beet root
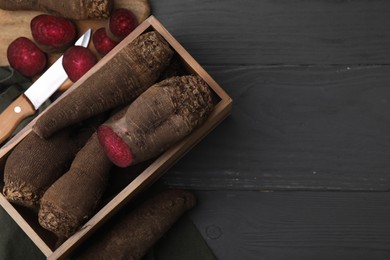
point(36, 163)
point(73, 198)
point(161, 116)
point(118, 82)
point(134, 233)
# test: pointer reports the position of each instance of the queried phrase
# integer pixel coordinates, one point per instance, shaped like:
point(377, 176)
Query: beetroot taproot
point(73, 198)
point(161, 116)
point(77, 61)
point(36, 163)
point(117, 82)
point(25, 57)
point(53, 33)
point(134, 231)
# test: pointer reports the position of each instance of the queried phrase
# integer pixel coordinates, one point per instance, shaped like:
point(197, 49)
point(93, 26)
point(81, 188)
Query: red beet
point(77, 61)
point(53, 33)
point(161, 116)
point(25, 57)
point(103, 44)
point(122, 22)
point(122, 155)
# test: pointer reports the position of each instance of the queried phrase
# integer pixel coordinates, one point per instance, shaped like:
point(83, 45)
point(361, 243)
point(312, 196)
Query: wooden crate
point(44, 240)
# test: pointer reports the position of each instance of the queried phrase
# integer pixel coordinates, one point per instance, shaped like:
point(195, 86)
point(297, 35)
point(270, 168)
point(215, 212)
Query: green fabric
point(14, 243)
point(183, 241)
point(8, 76)
point(12, 85)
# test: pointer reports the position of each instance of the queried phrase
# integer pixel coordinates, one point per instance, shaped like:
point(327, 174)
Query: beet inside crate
point(137, 177)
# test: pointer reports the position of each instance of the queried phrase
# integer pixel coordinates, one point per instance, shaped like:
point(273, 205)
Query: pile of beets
point(54, 34)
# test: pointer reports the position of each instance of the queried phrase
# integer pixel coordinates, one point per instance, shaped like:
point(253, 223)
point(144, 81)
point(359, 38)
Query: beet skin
point(121, 23)
point(25, 57)
point(103, 44)
point(77, 61)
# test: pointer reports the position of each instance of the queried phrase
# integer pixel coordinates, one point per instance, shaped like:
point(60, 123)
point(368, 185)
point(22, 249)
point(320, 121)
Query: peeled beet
point(53, 33)
point(120, 154)
point(77, 61)
point(25, 57)
point(122, 22)
point(103, 44)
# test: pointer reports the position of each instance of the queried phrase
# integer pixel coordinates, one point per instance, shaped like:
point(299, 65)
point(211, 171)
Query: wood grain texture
point(295, 225)
point(309, 82)
point(296, 127)
point(280, 32)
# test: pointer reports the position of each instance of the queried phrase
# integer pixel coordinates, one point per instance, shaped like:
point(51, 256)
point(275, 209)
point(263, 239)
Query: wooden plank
point(295, 225)
point(280, 32)
point(296, 128)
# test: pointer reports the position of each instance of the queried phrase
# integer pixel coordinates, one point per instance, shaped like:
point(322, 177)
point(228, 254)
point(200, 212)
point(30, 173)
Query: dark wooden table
point(301, 169)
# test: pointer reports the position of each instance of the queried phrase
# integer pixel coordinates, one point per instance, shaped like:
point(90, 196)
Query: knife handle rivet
point(17, 109)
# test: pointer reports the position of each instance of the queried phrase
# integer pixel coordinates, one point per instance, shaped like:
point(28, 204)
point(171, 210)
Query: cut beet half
point(115, 148)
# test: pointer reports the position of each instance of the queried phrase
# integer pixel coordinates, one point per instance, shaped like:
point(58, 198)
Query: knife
point(27, 103)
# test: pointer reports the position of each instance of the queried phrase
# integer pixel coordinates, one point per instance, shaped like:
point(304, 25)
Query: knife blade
point(27, 103)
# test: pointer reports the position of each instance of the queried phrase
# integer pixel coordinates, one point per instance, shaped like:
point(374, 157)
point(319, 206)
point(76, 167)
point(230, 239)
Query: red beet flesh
point(115, 148)
point(122, 22)
point(53, 32)
point(77, 61)
point(103, 44)
point(25, 57)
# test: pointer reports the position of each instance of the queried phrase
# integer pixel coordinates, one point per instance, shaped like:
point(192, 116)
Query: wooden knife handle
point(11, 117)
